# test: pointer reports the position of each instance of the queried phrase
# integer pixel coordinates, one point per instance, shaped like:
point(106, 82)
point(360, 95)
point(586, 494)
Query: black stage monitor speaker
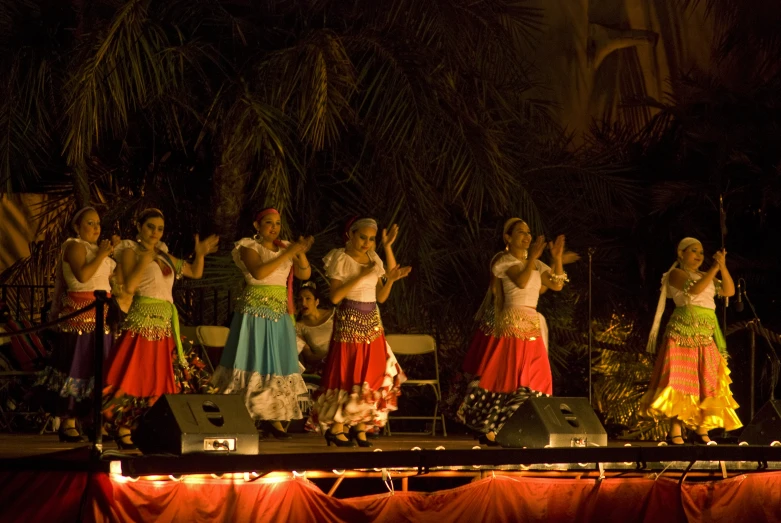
point(555, 422)
point(765, 428)
point(197, 423)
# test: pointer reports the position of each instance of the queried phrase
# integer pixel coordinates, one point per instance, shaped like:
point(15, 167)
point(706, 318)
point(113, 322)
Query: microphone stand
point(591, 251)
point(753, 326)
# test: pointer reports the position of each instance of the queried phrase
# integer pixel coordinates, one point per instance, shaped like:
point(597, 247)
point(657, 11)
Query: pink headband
point(265, 212)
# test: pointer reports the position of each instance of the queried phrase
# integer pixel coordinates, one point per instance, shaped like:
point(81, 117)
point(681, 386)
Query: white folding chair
point(211, 336)
point(419, 345)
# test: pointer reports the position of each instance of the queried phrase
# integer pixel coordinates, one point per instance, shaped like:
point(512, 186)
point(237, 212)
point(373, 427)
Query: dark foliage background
point(416, 113)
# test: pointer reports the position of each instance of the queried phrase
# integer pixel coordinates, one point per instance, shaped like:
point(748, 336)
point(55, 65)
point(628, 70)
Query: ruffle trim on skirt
point(267, 397)
point(712, 412)
point(485, 411)
point(361, 404)
point(65, 386)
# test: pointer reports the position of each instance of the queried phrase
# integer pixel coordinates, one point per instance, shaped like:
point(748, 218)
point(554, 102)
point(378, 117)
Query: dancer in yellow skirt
point(690, 382)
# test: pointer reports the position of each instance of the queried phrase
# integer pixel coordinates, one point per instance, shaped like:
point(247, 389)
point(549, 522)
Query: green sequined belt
point(154, 320)
point(263, 301)
point(694, 326)
point(357, 322)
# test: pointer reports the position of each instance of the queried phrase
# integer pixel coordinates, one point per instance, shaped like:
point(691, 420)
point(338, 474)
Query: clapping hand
point(105, 248)
point(569, 257)
point(557, 248)
point(537, 247)
point(397, 273)
point(207, 246)
point(389, 236)
point(720, 257)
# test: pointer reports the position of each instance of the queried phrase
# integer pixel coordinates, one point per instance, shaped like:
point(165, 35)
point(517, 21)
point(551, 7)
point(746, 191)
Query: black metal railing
point(197, 306)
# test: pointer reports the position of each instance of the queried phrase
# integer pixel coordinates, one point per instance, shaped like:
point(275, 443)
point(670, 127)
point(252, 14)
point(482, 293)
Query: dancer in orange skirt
point(142, 368)
point(508, 354)
point(690, 382)
point(361, 379)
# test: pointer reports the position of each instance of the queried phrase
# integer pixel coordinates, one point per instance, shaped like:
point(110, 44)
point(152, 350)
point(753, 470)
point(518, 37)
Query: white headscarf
point(653, 335)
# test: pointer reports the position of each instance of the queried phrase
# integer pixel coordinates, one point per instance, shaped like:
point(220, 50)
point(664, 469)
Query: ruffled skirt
point(260, 362)
point(145, 365)
point(69, 377)
point(513, 368)
point(692, 385)
point(361, 379)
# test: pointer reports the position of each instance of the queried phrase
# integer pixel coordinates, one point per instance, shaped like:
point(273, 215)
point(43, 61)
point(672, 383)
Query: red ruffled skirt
point(361, 379)
point(140, 372)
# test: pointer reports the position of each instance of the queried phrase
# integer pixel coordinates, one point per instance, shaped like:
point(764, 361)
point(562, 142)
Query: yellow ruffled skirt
point(691, 384)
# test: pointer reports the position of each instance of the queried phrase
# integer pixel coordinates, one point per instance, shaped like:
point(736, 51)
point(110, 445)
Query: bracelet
point(559, 278)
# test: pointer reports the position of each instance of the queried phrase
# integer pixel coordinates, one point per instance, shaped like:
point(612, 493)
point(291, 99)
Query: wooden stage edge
point(404, 456)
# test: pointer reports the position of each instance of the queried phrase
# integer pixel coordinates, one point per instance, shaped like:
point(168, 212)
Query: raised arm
point(339, 289)
point(727, 285)
point(302, 269)
point(202, 248)
point(556, 281)
point(383, 289)
point(520, 276)
point(388, 237)
point(260, 269)
point(76, 256)
point(133, 268)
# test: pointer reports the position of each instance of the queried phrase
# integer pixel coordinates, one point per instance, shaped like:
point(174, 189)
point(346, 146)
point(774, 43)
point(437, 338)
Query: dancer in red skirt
point(84, 267)
point(361, 379)
point(514, 360)
point(142, 368)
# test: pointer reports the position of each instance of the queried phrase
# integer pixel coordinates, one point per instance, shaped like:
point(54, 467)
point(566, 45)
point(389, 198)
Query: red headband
point(265, 212)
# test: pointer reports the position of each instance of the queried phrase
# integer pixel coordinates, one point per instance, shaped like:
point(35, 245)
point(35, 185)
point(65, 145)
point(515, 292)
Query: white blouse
point(340, 266)
point(703, 299)
point(280, 274)
point(99, 280)
point(153, 283)
point(318, 337)
point(514, 296)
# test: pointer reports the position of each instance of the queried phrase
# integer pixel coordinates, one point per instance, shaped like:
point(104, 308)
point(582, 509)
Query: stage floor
point(410, 455)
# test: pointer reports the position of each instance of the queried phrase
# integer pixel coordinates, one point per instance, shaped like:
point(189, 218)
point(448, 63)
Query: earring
point(256, 236)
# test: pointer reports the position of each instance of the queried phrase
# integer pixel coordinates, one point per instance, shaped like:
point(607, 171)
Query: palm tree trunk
point(228, 189)
point(81, 185)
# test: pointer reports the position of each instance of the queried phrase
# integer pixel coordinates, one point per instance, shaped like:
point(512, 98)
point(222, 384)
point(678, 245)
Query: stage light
point(415, 448)
point(379, 450)
point(338, 472)
point(743, 444)
point(627, 462)
point(115, 467)
point(175, 477)
point(776, 444)
point(440, 448)
point(297, 474)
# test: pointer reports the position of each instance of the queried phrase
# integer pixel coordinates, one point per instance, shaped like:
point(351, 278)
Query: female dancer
point(142, 368)
point(84, 266)
point(260, 359)
point(690, 382)
point(514, 363)
point(314, 327)
point(361, 379)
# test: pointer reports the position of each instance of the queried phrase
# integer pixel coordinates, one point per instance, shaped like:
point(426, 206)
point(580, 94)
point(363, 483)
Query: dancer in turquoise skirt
point(260, 359)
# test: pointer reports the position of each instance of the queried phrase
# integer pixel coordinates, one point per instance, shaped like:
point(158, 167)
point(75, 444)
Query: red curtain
point(56, 496)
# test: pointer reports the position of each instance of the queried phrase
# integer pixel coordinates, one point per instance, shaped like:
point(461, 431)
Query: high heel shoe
point(483, 440)
point(698, 439)
point(69, 435)
point(674, 440)
point(364, 443)
point(124, 442)
point(331, 437)
point(278, 434)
